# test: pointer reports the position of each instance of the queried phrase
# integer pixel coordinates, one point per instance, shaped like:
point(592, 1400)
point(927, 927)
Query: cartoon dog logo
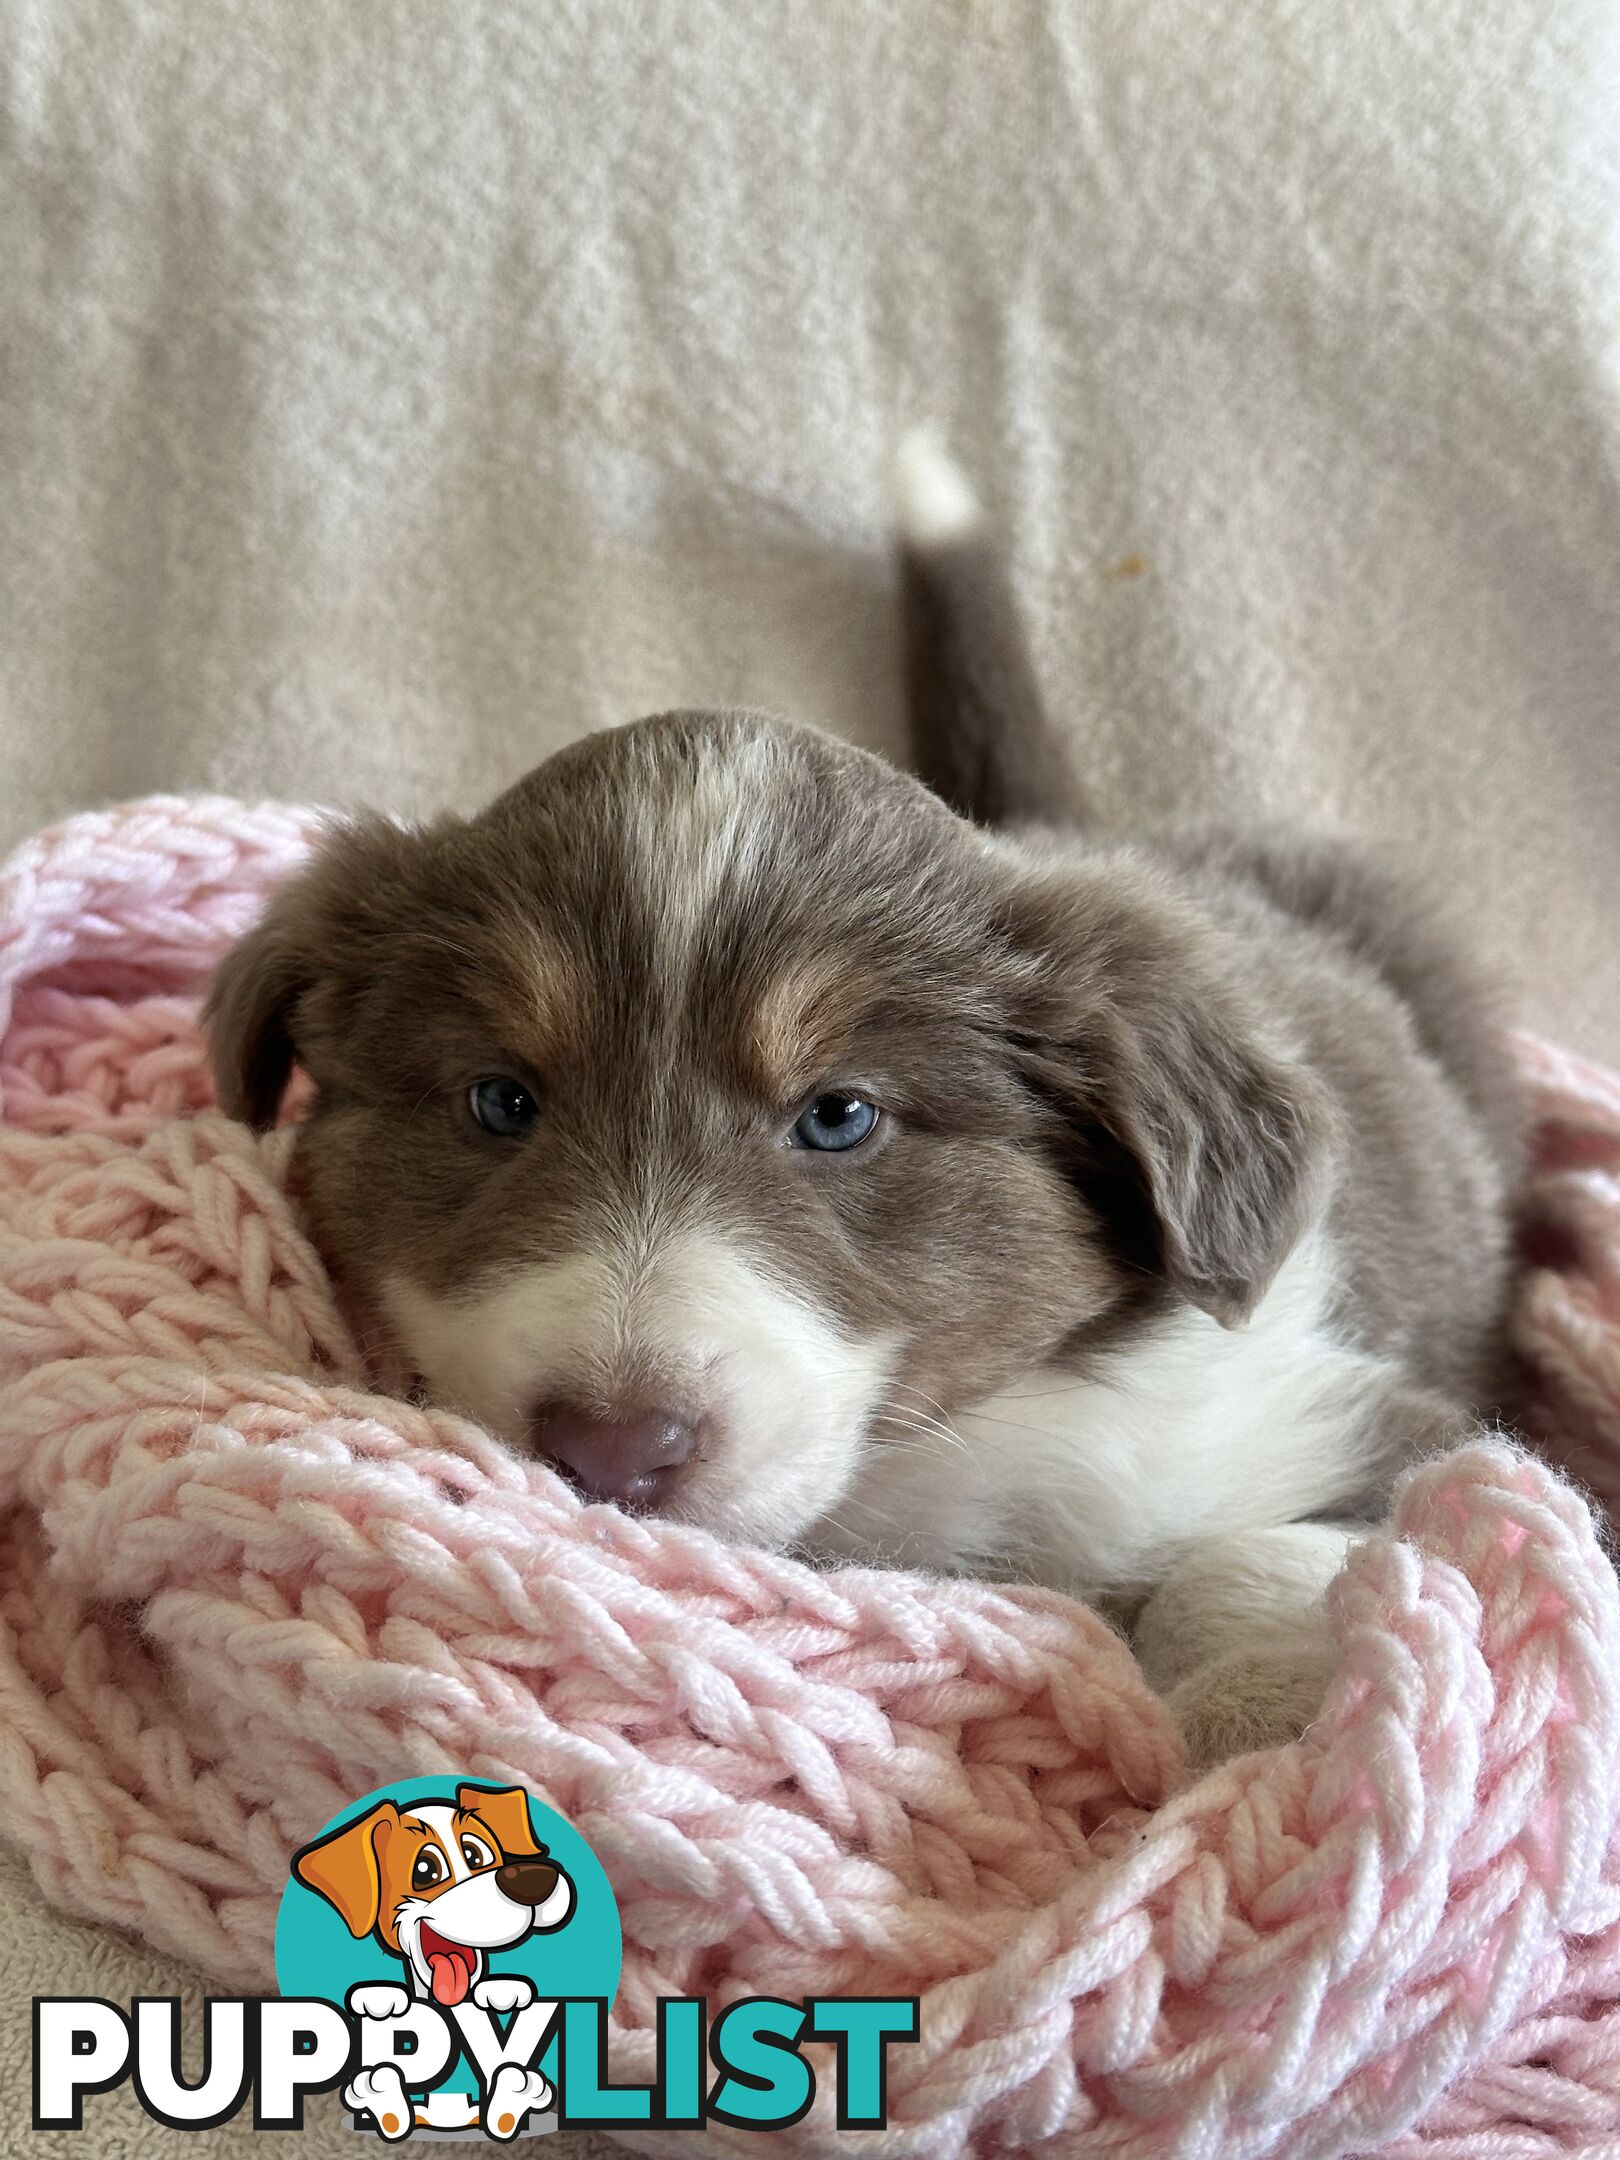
point(440, 1886)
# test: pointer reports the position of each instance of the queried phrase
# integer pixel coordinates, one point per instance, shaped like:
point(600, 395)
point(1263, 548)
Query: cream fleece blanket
point(390, 391)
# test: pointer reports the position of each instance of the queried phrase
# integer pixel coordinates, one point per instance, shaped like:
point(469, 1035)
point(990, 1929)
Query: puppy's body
point(1181, 1218)
point(1375, 1336)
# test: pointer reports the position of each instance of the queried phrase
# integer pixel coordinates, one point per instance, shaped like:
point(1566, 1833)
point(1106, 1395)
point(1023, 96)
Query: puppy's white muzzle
point(695, 1332)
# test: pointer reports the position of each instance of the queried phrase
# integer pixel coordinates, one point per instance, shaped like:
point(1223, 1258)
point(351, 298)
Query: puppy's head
point(441, 1884)
point(718, 1105)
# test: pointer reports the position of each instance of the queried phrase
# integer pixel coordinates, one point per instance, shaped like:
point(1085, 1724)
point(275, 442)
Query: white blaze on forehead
point(783, 1393)
point(440, 1818)
point(691, 844)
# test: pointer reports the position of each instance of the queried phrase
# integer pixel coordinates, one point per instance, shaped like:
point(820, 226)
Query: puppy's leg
point(380, 2093)
point(1236, 1636)
point(1237, 1640)
point(512, 2094)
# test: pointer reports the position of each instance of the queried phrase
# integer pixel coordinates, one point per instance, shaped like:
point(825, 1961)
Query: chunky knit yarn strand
point(237, 1588)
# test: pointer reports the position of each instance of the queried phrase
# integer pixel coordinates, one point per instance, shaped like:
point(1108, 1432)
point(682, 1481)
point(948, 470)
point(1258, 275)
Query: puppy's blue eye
point(503, 1107)
point(835, 1122)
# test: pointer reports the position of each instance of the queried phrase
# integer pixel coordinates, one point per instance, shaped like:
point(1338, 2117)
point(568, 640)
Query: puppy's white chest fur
point(1097, 1484)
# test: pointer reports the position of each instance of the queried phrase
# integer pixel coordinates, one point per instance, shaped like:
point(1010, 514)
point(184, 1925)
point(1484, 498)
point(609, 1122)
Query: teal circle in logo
point(440, 1883)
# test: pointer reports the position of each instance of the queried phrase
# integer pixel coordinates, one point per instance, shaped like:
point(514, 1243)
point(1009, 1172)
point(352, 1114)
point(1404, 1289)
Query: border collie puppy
point(903, 1168)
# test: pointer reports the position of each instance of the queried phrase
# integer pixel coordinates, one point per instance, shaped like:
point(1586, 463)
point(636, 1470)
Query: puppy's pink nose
point(630, 1460)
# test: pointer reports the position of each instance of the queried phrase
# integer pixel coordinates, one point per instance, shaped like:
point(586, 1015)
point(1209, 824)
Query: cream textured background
point(389, 391)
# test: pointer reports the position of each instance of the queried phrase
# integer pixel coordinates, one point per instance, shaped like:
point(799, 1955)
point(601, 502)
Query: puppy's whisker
point(1063, 1389)
point(1044, 1432)
point(913, 1448)
point(929, 1402)
point(941, 1424)
point(919, 1421)
point(903, 1431)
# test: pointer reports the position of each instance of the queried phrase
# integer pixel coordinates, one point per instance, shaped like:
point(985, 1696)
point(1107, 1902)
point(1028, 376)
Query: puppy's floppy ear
point(322, 926)
point(504, 1812)
point(249, 1017)
point(1144, 1042)
point(343, 1868)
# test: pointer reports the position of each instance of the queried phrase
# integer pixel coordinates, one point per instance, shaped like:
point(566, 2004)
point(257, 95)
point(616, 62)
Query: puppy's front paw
point(378, 1999)
point(1249, 1700)
point(513, 2092)
point(504, 1991)
point(380, 2093)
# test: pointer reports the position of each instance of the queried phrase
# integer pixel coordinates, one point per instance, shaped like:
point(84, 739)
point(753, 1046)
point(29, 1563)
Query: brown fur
point(996, 760)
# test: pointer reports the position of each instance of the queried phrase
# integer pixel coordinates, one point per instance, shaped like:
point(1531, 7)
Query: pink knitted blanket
point(237, 1588)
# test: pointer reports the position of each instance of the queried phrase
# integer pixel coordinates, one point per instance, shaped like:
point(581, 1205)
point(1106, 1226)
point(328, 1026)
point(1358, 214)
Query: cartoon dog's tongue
point(450, 1966)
